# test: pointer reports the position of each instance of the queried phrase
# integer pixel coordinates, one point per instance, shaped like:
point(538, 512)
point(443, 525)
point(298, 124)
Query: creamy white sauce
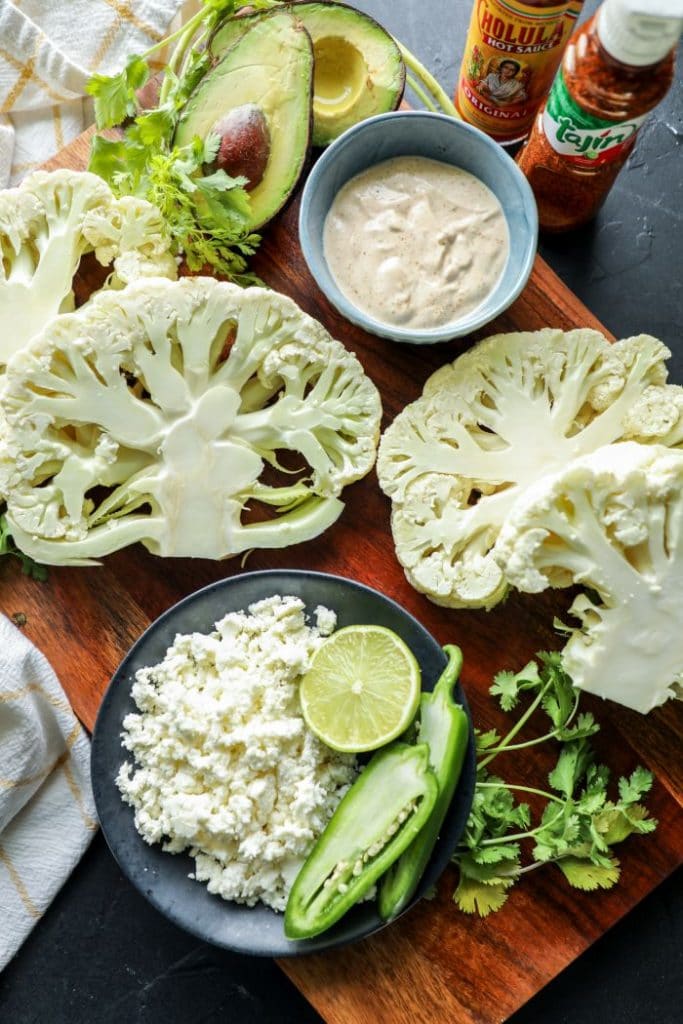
point(415, 242)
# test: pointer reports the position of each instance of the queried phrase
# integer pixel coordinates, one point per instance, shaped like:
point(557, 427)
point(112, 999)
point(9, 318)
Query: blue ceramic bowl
point(418, 133)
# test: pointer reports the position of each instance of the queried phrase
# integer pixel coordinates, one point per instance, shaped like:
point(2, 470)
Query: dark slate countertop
point(102, 955)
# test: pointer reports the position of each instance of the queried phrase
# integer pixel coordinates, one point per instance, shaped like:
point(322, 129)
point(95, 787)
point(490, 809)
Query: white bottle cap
point(640, 32)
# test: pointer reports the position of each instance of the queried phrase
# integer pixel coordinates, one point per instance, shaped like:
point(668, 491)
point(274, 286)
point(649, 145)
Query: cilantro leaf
point(559, 700)
point(114, 95)
point(639, 819)
point(558, 833)
point(155, 127)
point(584, 727)
point(483, 889)
point(489, 874)
point(486, 740)
point(120, 163)
point(137, 72)
point(617, 822)
point(113, 99)
point(194, 70)
point(581, 874)
point(473, 897)
point(494, 811)
point(219, 181)
point(631, 790)
point(496, 854)
point(571, 766)
point(508, 686)
point(212, 143)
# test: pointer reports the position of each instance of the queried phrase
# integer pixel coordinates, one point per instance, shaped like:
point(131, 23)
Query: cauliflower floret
point(172, 396)
point(512, 409)
point(613, 522)
point(131, 234)
point(46, 225)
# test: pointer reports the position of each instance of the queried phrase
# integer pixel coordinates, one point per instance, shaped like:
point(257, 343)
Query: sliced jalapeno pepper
point(445, 729)
point(375, 821)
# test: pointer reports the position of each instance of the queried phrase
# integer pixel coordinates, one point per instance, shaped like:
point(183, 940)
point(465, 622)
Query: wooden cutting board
point(435, 964)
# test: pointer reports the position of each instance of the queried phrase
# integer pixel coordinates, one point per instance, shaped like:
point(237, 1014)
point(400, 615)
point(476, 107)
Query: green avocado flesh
point(358, 72)
point(269, 68)
point(231, 30)
point(358, 69)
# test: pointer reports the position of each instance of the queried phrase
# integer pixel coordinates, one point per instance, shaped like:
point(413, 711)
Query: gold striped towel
point(48, 50)
point(47, 813)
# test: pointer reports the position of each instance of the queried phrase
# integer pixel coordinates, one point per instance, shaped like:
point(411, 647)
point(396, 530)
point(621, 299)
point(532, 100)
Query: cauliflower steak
point(507, 412)
point(151, 414)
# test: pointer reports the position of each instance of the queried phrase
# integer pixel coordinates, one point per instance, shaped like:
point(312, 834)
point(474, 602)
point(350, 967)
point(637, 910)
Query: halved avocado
point(358, 70)
point(258, 99)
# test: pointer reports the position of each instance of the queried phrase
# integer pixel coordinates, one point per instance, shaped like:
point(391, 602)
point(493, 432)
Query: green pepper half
point(375, 821)
point(444, 727)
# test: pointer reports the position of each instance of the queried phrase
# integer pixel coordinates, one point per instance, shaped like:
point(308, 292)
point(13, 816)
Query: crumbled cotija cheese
point(225, 766)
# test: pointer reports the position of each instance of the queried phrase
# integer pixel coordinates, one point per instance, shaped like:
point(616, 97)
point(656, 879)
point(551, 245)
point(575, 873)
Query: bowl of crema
point(418, 227)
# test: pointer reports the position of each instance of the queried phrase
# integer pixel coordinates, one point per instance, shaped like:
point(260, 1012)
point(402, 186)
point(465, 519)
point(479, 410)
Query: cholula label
point(511, 54)
point(581, 138)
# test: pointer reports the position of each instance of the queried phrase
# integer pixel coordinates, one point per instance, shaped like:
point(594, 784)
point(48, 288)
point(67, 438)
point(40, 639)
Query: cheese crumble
point(224, 764)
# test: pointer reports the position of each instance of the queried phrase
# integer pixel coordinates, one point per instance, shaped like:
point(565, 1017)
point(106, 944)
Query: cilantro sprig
point(578, 824)
point(207, 212)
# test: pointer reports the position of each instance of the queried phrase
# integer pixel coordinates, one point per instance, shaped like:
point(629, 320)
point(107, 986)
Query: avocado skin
point(385, 79)
point(275, 47)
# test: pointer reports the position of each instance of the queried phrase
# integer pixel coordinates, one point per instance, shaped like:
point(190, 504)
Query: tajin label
point(511, 54)
point(581, 138)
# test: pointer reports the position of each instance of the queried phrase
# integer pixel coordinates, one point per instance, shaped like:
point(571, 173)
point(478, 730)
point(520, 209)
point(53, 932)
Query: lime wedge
point(362, 689)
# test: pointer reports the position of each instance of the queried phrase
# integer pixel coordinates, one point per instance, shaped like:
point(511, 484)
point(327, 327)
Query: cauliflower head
point(612, 521)
point(152, 413)
point(46, 225)
point(507, 412)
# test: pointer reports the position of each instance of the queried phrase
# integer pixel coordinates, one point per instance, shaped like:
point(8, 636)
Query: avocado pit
point(245, 144)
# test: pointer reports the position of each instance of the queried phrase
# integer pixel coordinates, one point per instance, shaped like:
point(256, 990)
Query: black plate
point(162, 877)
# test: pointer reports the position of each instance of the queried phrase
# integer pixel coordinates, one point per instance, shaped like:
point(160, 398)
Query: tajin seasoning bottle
point(511, 55)
point(616, 68)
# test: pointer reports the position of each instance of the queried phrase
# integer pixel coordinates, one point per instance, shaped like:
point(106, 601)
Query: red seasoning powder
point(616, 68)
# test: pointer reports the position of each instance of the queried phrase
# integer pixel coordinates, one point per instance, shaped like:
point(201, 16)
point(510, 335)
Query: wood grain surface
point(435, 964)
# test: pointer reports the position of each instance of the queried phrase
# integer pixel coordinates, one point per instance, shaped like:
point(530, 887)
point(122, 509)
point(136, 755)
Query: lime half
point(362, 689)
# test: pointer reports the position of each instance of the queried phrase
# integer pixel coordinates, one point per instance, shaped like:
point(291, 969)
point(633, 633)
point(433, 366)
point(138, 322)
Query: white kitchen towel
point(47, 813)
point(48, 51)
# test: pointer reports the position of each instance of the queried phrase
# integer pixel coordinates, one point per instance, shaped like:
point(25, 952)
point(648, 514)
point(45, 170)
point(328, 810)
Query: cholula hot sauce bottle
point(511, 55)
point(616, 68)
